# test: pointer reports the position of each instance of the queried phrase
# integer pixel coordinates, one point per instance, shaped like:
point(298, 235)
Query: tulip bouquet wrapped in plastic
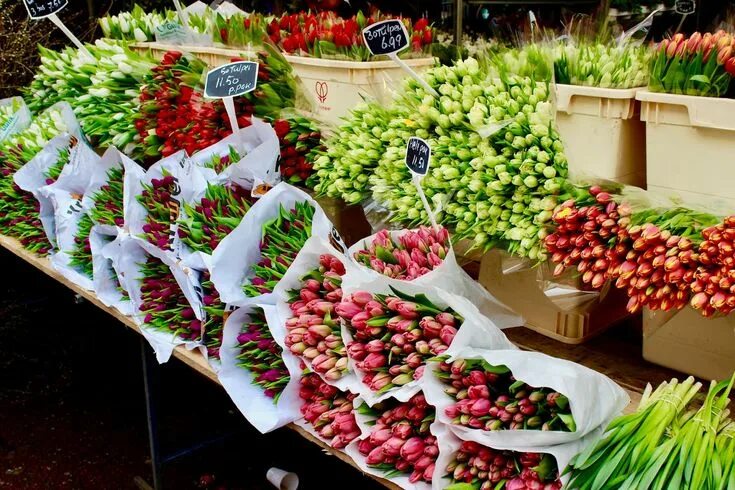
point(260, 377)
point(700, 65)
point(328, 411)
point(519, 398)
point(397, 441)
point(14, 117)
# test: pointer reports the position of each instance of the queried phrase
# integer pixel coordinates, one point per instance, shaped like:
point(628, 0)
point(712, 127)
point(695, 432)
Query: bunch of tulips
point(485, 468)
point(162, 210)
point(108, 200)
point(400, 440)
point(19, 209)
point(416, 253)
point(240, 30)
point(394, 335)
point(325, 35)
point(584, 228)
point(81, 253)
point(214, 323)
point(300, 140)
point(489, 398)
point(8, 113)
point(163, 302)
point(329, 411)
point(135, 25)
point(313, 330)
point(205, 224)
point(103, 91)
point(281, 240)
point(219, 163)
point(714, 279)
point(54, 170)
point(605, 65)
point(261, 355)
point(700, 65)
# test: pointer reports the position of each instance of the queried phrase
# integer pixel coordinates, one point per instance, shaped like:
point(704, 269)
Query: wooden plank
point(590, 355)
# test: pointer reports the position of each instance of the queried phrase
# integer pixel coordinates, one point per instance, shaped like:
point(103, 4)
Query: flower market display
point(251, 275)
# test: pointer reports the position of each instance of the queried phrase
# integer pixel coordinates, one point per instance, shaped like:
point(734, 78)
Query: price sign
point(40, 9)
point(418, 156)
point(231, 80)
point(386, 37)
point(685, 7)
point(418, 159)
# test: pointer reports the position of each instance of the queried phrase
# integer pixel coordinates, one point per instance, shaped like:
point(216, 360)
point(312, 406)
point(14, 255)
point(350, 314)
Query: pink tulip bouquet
point(483, 468)
point(313, 332)
point(162, 210)
point(394, 335)
point(400, 440)
point(215, 316)
point(328, 410)
point(490, 398)
point(409, 255)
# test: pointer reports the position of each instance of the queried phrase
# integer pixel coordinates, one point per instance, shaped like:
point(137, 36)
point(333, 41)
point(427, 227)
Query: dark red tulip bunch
point(400, 441)
point(714, 280)
point(162, 210)
point(416, 252)
point(283, 237)
point(395, 335)
point(314, 329)
point(584, 235)
point(219, 163)
point(329, 411)
point(175, 115)
point(205, 224)
point(261, 355)
point(80, 256)
point(300, 140)
point(108, 200)
point(490, 398)
point(215, 317)
point(486, 468)
point(164, 304)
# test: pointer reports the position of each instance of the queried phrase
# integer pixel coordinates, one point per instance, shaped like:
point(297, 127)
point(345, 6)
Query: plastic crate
point(337, 86)
point(602, 133)
point(212, 56)
point(690, 143)
point(688, 342)
point(520, 291)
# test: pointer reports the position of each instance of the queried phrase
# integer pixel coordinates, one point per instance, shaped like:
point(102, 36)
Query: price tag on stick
point(685, 7)
point(390, 37)
point(229, 81)
point(418, 159)
point(47, 9)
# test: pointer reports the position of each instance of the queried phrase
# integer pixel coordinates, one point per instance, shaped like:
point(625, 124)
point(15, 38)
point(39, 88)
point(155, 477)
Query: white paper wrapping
point(260, 410)
point(594, 399)
point(240, 250)
point(105, 262)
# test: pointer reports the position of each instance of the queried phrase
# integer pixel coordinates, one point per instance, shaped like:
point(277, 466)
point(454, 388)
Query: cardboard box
point(690, 343)
point(564, 313)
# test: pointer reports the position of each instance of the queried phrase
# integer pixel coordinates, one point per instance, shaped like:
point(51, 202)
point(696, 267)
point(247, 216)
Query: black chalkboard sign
point(39, 9)
point(231, 80)
point(418, 156)
point(386, 37)
point(685, 7)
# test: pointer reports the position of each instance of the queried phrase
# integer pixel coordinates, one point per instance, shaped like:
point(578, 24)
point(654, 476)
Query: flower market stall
point(349, 237)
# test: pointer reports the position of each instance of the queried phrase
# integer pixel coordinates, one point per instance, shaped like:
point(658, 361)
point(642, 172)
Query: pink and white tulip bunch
point(486, 468)
point(314, 330)
point(395, 335)
point(416, 253)
point(401, 442)
point(329, 411)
